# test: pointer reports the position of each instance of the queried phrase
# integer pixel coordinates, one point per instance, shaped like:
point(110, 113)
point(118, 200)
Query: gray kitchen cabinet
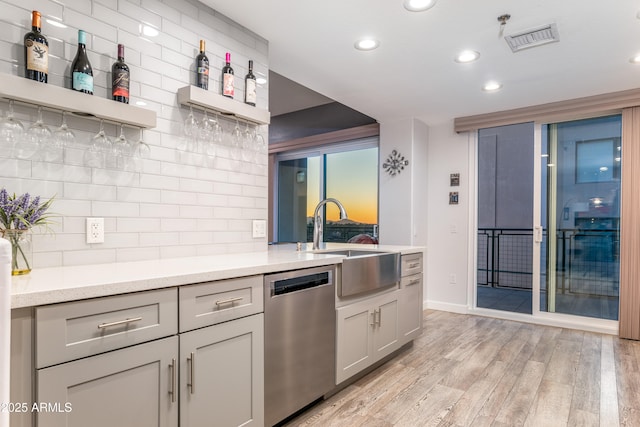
point(134, 386)
point(222, 374)
point(410, 314)
point(367, 331)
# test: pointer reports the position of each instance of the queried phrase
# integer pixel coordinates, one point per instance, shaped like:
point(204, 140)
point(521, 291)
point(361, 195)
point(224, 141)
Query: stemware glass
point(247, 144)
point(142, 151)
point(205, 129)
point(122, 151)
point(190, 132)
point(236, 141)
point(100, 150)
point(11, 130)
point(217, 130)
point(38, 136)
point(63, 138)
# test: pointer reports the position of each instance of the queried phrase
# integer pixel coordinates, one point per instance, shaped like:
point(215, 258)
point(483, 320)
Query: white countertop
point(61, 284)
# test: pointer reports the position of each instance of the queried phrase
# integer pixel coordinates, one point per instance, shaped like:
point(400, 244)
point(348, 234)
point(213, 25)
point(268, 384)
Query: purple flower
point(22, 212)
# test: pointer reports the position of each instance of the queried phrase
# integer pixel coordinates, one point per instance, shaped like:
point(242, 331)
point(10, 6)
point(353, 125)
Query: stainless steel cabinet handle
point(373, 320)
point(174, 377)
point(413, 282)
point(192, 359)
point(119, 322)
point(379, 317)
point(414, 265)
point(228, 301)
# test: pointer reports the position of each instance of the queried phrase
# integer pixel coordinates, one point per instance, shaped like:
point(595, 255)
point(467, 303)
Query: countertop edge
point(68, 284)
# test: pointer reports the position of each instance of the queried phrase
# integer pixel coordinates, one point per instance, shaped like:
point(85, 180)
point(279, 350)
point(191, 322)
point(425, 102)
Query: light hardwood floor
point(467, 370)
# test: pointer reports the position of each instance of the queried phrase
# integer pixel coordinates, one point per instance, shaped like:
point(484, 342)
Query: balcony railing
point(587, 260)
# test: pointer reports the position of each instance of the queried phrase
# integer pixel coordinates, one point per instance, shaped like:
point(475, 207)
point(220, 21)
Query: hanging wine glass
point(122, 150)
point(99, 150)
point(190, 132)
point(247, 144)
point(63, 138)
point(11, 131)
point(142, 151)
point(37, 138)
point(217, 130)
point(205, 130)
point(236, 141)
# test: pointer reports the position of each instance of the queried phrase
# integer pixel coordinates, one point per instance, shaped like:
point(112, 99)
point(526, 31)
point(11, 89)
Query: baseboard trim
point(586, 324)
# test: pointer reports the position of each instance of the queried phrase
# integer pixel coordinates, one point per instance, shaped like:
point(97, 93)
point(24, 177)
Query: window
point(347, 172)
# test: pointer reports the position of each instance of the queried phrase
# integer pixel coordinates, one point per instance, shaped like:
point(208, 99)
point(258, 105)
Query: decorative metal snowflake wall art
point(395, 163)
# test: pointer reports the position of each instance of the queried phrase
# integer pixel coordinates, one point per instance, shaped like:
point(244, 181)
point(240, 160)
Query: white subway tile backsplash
point(158, 210)
point(114, 209)
point(178, 203)
point(137, 254)
point(95, 255)
point(161, 9)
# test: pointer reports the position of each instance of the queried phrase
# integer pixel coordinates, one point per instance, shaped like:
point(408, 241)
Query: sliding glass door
point(581, 173)
point(548, 238)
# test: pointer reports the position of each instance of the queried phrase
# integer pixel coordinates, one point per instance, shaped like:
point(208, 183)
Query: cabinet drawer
point(410, 264)
point(408, 281)
point(73, 330)
point(205, 304)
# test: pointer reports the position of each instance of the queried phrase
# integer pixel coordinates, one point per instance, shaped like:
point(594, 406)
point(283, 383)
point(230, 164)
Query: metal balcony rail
point(587, 260)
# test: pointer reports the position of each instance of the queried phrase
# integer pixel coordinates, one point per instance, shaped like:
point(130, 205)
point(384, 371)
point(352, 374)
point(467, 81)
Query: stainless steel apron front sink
point(366, 271)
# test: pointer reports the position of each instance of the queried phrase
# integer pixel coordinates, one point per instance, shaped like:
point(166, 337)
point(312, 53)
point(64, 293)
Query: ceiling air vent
point(533, 37)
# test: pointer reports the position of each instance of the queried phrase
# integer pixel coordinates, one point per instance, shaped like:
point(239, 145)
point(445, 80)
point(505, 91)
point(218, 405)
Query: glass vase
point(21, 250)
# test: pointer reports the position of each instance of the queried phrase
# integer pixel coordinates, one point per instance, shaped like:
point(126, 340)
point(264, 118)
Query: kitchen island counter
point(63, 284)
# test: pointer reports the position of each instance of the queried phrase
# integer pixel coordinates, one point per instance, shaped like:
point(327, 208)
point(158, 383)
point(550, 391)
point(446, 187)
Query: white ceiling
point(413, 73)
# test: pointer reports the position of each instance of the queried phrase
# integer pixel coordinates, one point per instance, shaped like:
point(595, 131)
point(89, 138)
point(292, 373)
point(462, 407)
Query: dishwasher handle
point(299, 283)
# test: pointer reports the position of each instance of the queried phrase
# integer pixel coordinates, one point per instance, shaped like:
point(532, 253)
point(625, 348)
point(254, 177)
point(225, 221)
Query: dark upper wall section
point(315, 120)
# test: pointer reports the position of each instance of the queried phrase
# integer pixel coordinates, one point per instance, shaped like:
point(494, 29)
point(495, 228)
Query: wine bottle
point(82, 73)
point(250, 86)
point(202, 68)
point(227, 77)
point(120, 78)
point(36, 51)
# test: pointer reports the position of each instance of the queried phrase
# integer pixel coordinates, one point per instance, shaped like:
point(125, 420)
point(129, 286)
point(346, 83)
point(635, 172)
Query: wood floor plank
point(518, 403)
point(431, 409)
point(608, 402)
point(551, 406)
point(471, 371)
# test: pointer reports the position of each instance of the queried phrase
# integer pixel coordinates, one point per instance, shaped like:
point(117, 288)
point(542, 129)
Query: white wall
point(402, 198)
point(449, 225)
point(180, 204)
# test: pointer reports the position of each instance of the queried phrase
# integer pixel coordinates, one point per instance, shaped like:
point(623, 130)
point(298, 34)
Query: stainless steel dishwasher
point(299, 339)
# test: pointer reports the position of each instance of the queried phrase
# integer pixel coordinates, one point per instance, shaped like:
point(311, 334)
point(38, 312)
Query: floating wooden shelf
point(197, 97)
point(50, 96)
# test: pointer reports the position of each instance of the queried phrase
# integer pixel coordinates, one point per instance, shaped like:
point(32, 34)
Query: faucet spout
point(317, 223)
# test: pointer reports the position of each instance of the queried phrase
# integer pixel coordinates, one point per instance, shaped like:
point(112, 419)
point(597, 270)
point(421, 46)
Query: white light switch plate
point(259, 228)
point(95, 230)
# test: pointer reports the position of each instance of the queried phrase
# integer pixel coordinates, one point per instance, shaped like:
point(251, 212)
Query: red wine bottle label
point(251, 91)
point(37, 56)
point(121, 84)
point(82, 81)
point(227, 85)
point(203, 70)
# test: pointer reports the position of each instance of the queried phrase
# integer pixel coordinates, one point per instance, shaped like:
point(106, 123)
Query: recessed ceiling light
point(491, 86)
point(635, 59)
point(418, 5)
point(367, 44)
point(467, 56)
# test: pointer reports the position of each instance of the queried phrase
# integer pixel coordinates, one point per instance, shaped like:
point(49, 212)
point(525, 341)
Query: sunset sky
point(352, 179)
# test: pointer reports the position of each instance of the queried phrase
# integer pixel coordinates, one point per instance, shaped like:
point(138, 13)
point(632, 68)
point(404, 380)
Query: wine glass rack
point(58, 98)
point(209, 100)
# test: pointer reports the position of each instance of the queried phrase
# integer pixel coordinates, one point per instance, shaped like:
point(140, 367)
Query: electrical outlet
point(259, 228)
point(95, 230)
point(452, 278)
